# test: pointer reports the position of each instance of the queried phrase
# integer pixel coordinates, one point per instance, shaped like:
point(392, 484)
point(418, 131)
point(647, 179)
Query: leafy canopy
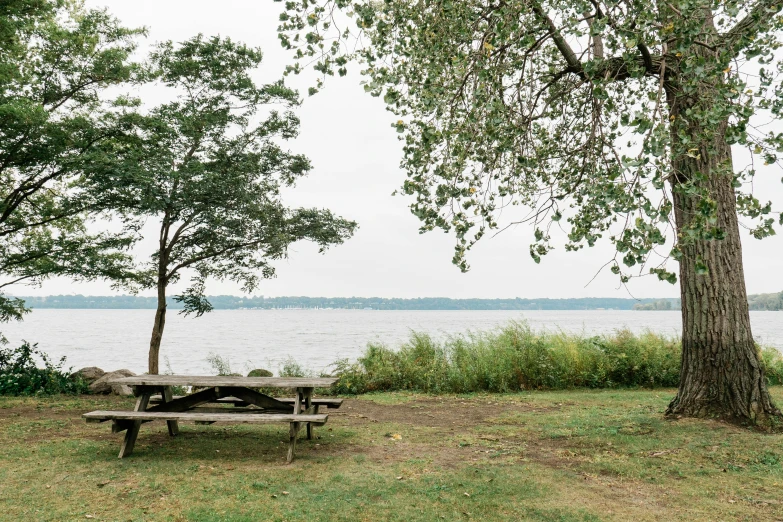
point(207, 166)
point(560, 112)
point(56, 61)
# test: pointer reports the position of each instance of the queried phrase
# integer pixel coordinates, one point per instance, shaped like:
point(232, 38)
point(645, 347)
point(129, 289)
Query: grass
point(586, 455)
point(515, 357)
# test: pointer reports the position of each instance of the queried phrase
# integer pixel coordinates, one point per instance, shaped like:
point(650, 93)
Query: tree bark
point(721, 373)
point(157, 330)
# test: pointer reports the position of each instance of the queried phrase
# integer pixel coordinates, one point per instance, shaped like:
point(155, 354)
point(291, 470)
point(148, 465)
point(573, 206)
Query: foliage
point(56, 62)
point(593, 116)
point(515, 357)
point(232, 302)
point(220, 365)
point(766, 301)
point(210, 172)
point(773, 365)
point(660, 304)
point(291, 368)
point(20, 374)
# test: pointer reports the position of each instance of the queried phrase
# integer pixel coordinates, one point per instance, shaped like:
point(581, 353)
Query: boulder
point(90, 374)
point(259, 372)
point(101, 386)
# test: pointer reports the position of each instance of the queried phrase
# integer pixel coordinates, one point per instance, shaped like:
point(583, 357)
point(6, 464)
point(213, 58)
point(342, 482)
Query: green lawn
point(543, 456)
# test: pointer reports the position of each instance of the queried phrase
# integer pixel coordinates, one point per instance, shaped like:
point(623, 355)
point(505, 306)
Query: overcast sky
point(355, 152)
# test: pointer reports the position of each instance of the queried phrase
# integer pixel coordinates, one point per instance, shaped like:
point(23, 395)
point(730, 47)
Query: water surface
point(113, 339)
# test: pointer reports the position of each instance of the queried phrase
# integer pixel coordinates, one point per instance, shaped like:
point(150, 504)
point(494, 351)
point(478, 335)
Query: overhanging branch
point(758, 19)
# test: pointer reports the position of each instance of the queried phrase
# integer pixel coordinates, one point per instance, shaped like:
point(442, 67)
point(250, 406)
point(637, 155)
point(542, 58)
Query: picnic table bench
point(250, 405)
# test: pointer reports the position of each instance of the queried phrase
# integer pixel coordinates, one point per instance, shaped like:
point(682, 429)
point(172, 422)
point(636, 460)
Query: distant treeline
point(231, 302)
point(766, 301)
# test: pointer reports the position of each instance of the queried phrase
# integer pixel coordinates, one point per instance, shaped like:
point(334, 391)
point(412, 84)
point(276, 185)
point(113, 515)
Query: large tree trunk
point(721, 373)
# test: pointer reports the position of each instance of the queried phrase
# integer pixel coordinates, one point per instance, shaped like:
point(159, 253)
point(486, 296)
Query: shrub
point(291, 368)
point(773, 365)
point(514, 357)
point(220, 365)
point(20, 375)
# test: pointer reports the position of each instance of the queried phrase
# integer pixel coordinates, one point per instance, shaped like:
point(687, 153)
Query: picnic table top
point(209, 381)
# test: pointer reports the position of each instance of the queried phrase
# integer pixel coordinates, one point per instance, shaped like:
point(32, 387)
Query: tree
point(600, 118)
point(208, 168)
point(56, 62)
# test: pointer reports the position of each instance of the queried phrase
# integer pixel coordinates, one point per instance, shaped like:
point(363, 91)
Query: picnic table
point(249, 404)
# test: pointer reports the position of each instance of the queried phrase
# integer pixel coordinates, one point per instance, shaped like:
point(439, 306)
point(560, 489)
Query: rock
point(90, 374)
point(122, 389)
point(101, 386)
point(259, 372)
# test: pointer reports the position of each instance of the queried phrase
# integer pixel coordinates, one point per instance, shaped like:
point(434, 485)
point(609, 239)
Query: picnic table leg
point(173, 425)
point(133, 429)
point(308, 400)
point(293, 431)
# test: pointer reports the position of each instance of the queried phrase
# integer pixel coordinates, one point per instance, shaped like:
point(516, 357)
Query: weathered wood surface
point(264, 418)
point(168, 397)
point(329, 403)
point(212, 381)
point(257, 399)
point(133, 429)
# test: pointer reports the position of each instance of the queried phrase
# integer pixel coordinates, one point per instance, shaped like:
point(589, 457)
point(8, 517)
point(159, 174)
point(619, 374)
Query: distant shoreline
point(224, 302)
point(228, 302)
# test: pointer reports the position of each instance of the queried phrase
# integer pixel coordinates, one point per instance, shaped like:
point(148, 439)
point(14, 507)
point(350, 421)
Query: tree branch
point(759, 17)
point(562, 46)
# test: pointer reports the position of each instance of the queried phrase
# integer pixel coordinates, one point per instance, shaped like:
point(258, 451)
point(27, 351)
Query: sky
point(347, 134)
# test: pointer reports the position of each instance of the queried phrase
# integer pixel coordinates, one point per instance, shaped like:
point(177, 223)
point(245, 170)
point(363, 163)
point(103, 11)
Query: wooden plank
point(265, 418)
point(293, 430)
point(258, 399)
point(308, 398)
point(230, 380)
point(329, 403)
point(168, 399)
point(293, 434)
point(181, 403)
point(133, 430)
point(186, 402)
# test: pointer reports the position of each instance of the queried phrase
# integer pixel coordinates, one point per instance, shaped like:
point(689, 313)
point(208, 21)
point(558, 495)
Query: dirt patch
point(431, 413)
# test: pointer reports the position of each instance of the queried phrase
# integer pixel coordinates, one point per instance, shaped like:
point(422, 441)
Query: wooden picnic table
point(251, 406)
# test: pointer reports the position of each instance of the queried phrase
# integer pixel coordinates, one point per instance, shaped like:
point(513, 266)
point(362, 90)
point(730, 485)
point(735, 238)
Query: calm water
point(113, 339)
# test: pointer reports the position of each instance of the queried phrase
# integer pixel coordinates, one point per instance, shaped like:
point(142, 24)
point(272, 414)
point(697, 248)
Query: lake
point(113, 339)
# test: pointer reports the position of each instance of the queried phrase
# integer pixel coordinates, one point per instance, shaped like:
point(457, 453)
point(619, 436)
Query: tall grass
point(516, 357)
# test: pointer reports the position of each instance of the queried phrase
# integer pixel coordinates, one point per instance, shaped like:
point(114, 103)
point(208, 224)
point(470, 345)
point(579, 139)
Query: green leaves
point(501, 112)
point(209, 170)
point(57, 61)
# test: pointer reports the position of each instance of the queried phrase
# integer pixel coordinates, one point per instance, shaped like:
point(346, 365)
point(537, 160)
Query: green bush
point(514, 357)
point(20, 375)
point(773, 365)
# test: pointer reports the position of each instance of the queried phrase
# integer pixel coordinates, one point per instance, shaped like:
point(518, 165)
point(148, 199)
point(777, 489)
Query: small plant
point(175, 390)
point(291, 368)
point(20, 374)
point(220, 365)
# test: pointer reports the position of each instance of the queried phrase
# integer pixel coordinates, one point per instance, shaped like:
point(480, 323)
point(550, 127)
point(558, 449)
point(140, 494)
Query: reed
point(516, 357)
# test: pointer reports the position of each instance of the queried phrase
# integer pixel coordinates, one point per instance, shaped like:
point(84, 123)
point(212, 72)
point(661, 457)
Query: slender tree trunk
point(157, 330)
point(160, 313)
point(721, 373)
